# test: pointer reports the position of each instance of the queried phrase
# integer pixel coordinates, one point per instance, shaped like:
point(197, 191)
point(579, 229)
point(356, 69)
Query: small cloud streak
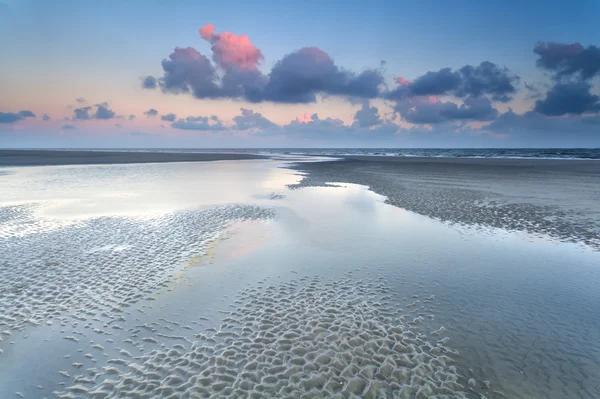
point(86, 113)
point(12, 117)
point(151, 113)
point(168, 117)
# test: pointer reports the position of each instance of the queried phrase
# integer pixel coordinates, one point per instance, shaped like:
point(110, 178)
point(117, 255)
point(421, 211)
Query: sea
point(514, 153)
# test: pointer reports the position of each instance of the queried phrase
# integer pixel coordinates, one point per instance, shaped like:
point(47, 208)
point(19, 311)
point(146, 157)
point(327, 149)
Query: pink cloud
point(427, 99)
point(306, 118)
point(231, 50)
point(403, 82)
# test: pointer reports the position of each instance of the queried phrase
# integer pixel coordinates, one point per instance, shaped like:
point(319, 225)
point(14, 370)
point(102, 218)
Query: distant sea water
point(517, 153)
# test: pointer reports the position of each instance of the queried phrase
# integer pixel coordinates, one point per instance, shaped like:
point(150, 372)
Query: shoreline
point(549, 197)
point(12, 158)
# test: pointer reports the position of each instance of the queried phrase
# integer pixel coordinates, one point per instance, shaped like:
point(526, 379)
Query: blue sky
point(56, 52)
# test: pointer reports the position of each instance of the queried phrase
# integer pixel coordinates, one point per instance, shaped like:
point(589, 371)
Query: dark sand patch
point(59, 157)
point(559, 198)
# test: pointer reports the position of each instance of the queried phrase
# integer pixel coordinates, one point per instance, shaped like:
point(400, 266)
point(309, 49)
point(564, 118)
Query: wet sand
point(261, 291)
point(59, 157)
point(559, 198)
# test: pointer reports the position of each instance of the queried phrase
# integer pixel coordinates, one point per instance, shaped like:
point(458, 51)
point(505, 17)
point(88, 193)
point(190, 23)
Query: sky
point(173, 74)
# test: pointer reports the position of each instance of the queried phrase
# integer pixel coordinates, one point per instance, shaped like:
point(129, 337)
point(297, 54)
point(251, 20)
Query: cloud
point(203, 123)
point(485, 79)
point(117, 125)
point(300, 76)
point(568, 98)
point(68, 127)
point(531, 127)
point(11, 117)
point(367, 116)
point(297, 78)
point(131, 117)
point(80, 100)
point(248, 119)
point(151, 112)
point(306, 117)
point(331, 130)
point(46, 118)
point(26, 114)
point(188, 71)
point(169, 117)
point(82, 113)
point(535, 91)
point(231, 50)
point(568, 60)
point(102, 112)
point(474, 108)
point(149, 82)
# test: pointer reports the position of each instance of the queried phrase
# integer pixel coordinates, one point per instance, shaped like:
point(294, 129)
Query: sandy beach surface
point(62, 157)
point(239, 279)
point(560, 198)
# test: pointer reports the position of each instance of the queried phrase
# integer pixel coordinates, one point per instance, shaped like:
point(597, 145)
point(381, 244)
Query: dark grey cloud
point(204, 123)
point(300, 76)
point(248, 119)
point(532, 128)
point(103, 112)
point(169, 117)
point(80, 100)
point(534, 90)
point(68, 127)
point(82, 113)
point(11, 117)
point(297, 78)
point(485, 79)
point(568, 60)
point(131, 117)
point(367, 116)
point(435, 83)
point(149, 82)
point(46, 118)
point(188, 71)
point(151, 112)
point(333, 130)
point(568, 98)
point(473, 109)
point(86, 113)
point(26, 114)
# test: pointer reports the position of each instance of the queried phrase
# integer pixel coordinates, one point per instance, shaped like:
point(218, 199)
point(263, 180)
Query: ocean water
point(516, 153)
point(215, 279)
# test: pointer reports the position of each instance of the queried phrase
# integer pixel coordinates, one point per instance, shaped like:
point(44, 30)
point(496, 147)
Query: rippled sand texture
point(549, 197)
point(97, 267)
point(300, 339)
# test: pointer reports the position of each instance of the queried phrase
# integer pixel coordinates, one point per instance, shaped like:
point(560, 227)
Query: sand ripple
point(97, 268)
point(300, 339)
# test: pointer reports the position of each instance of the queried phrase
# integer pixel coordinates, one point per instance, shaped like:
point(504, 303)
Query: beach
point(83, 157)
point(300, 277)
point(554, 197)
